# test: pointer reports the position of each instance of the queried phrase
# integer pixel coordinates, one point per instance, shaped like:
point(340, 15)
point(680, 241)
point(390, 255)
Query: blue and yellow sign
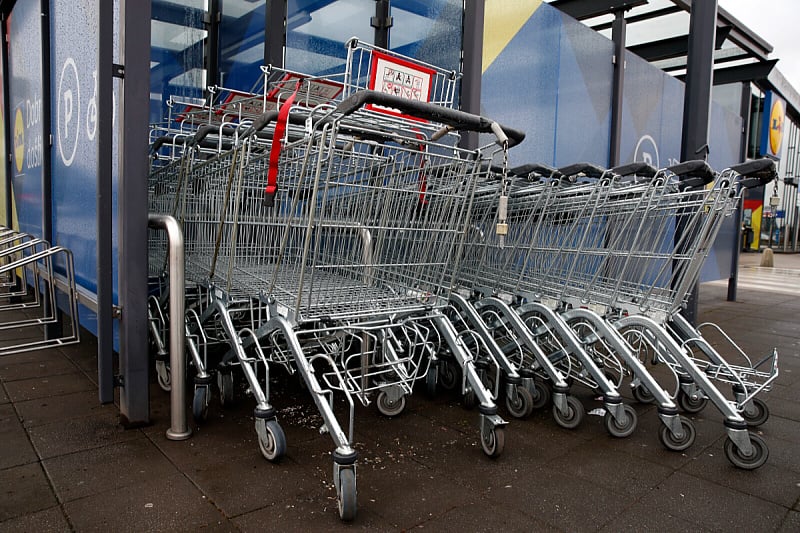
point(772, 125)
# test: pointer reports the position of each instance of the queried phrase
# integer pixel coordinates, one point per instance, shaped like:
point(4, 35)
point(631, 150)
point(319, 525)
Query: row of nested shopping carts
point(341, 234)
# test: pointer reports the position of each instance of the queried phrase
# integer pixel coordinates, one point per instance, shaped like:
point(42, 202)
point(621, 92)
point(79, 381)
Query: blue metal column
point(9, 141)
point(697, 97)
point(132, 194)
point(744, 112)
point(105, 258)
point(472, 45)
point(618, 32)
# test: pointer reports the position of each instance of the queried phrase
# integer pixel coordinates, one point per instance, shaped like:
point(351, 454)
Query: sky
point(778, 23)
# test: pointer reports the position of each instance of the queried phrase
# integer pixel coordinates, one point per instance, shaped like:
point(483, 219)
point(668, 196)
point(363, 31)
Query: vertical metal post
point(275, 33)
point(697, 99)
point(472, 44)
point(744, 112)
point(9, 141)
point(212, 43)
point(178, 429)
point(382, 21)
point(132, 192)
point(618, 32)
point(105, 260)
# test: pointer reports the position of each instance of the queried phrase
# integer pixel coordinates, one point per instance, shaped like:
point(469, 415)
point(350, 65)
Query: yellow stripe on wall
point(502, 20)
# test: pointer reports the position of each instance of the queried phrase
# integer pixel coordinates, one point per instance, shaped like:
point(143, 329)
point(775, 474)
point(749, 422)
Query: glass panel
point(428, 31)
point(241, 39)
point(316, 31)
point(177, 54)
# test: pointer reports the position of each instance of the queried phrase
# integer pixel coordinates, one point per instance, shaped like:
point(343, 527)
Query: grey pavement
point(67, 465)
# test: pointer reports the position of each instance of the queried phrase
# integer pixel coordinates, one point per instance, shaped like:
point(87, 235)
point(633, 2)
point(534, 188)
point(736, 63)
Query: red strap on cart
point(275, 150)
point(423, 179)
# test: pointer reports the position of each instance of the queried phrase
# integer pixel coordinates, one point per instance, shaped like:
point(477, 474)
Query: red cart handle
point(275, 150)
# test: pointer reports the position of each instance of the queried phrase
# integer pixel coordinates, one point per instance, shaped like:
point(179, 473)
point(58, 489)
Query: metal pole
point(212, 51)
point(9, 141)
point(382, 21)
point(744, 112)
point(618, 32)
point(105, 251)
point(133, 330)
point(697, 99)
point(179, 429)
point(275, 29)
point(472, 68)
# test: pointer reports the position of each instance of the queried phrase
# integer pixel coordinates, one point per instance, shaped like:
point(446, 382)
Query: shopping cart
point(342, 268)
point(633, 258)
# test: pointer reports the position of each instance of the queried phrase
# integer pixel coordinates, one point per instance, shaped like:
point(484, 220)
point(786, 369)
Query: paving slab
point(3, 396)
point(50, 409)
point(84, 473)
point(41, 387)
point(713, 506)
point(51, 520)
point(791, 524)
point(48, 363)
point(15, 447)
point(485, 514)
point(315, 512)
point(170, 503)
point(80, 434)
point(24, 490)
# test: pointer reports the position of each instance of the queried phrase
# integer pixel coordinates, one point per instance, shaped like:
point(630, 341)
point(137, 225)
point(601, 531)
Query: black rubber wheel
point(388, 407)
point(756, 459)
point(624, 428)
point(760, 414)
point(348, 496)
point(642, 394)
point(448, 377)
point(523, 406)
point(164, 376)
point(225, 385)
point(430, 381)
point(493, 441)
point(573, 416)
point(675, 444)
point(691, 405)
point(200, 404)
point(540, 394)
point(274, 446)
point(469, 400)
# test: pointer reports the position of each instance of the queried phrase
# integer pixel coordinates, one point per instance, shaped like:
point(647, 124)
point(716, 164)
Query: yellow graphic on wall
point(756, 225)
point(502, 21)
point(19, 140)
point(776, 126)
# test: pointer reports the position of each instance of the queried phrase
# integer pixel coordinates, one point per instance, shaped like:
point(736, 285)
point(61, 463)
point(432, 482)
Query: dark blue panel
point(25, 107)
point(74, 126)
point(428, 31)
point(584, 95)
point(242, 48)
point(520, 88)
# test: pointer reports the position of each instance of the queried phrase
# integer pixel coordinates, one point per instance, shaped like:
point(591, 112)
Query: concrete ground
point(67, 465)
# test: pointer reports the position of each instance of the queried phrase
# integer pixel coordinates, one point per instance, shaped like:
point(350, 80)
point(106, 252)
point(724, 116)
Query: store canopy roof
point(658, 31)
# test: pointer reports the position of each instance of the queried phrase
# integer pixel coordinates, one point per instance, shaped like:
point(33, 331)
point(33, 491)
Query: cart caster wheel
point(430, 381)
point(272, 441)
point(621, 428)
point(690, 405)
point(469, 400)
point(493, 441)
point(164, 376)
point(225, 385)
point(348, 505)
point(541, 395)
point(448, 377)
point(389, 407)
point(756, 459)
point(200, 404)
point(523, 406)
point(671, 442)
point(573, 416)
point(758, 415)
point(642, 394)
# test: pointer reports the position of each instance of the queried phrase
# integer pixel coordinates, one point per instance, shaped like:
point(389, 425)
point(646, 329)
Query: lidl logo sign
point(776, 116)
point(19, 140)
point(772, 125)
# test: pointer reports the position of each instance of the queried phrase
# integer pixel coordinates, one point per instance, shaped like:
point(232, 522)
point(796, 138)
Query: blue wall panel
point(25, 106)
